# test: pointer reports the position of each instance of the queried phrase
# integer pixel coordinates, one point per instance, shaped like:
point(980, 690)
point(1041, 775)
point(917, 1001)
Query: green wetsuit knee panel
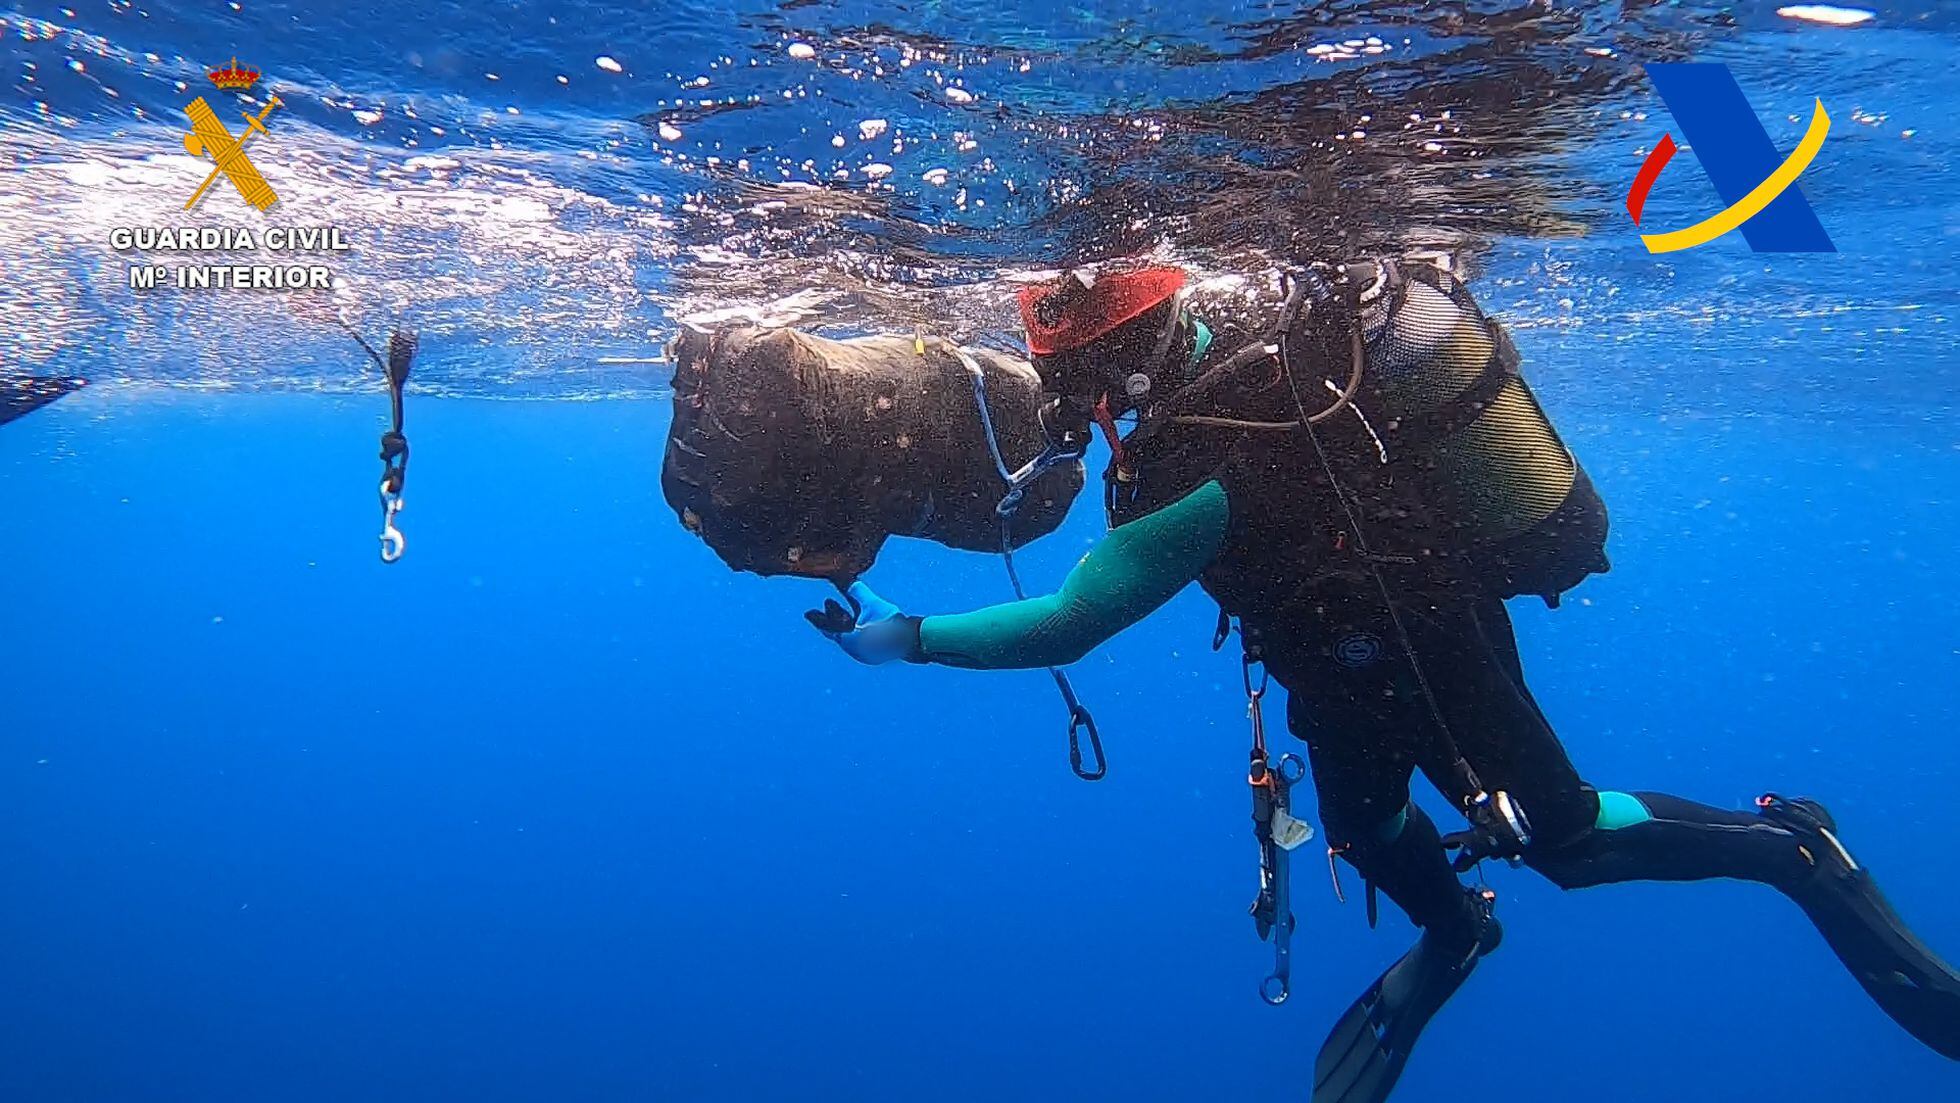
point(1620, 810)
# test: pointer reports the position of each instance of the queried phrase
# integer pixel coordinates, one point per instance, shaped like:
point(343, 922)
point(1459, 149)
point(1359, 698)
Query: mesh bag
point(795, 454)
point(1457, 418)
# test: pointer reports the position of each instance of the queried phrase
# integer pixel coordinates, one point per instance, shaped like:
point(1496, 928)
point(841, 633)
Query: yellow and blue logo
point(1759, 186)
point(210, 138)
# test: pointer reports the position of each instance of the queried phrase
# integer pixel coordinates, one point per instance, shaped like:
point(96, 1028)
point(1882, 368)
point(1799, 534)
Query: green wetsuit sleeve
point(1128, 575)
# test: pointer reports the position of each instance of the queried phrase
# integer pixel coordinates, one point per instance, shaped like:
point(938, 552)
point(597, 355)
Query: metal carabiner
point(1079, 723)
point(1292, 768)
point(393, 543)
point(1253, 693)
point(1499, 828)
point(1280, 833)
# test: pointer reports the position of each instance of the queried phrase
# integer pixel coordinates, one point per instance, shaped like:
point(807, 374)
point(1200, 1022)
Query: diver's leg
point(1579, 836)
point(1792, 846)
point(1583, 837)
point(1469, 655)
point(1361, 768)
point(1353, 708)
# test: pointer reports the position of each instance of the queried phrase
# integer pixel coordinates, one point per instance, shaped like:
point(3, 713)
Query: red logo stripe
point(1650, 171)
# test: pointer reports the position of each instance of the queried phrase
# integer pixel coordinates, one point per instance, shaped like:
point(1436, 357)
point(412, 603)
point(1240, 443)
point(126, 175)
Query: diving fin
point(21, 395)
point(1902, 975)
point(1363, 1056)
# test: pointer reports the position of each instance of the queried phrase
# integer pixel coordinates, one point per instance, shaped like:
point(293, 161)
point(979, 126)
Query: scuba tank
point(1447, 410)
point(1431, 432)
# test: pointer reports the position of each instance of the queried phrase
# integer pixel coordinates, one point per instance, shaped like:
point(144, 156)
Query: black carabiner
point(1254, 693)
point(1080, 721)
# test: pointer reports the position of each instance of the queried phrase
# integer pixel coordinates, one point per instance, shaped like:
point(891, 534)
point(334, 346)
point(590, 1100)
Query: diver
point(1361, 478)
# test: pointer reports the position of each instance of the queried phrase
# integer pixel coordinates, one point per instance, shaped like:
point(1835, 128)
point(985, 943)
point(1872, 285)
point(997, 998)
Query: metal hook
point(1275, 989)
point(1292, 768)
point(1254, 693)
point(1080, 722)
point(393, 543)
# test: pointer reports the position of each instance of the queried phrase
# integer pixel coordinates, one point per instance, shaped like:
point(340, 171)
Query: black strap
point(1309, 300)
point(1244, 358)
point(1274, 337)
point(394, 445)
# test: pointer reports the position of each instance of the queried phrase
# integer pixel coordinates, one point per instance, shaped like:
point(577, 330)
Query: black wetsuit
point(1334, 587)
point(1293, 572)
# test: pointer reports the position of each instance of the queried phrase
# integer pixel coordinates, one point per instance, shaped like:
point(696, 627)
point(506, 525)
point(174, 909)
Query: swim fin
point(1903, 976)
point(21, 395)
point(1363, 1056)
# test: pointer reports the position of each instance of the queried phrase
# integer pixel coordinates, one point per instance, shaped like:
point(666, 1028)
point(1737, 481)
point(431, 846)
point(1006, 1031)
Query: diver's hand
point(872, 630)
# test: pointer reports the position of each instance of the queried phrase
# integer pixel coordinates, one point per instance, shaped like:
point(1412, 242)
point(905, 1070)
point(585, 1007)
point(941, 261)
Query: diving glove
point(872, 630)
point(1363, 1056)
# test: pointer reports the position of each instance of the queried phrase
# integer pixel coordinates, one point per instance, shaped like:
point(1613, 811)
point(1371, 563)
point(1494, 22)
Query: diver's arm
point(1128, 575)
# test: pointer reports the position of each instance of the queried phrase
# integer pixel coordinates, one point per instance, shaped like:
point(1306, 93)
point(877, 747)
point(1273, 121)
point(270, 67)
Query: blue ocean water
point(560, 808)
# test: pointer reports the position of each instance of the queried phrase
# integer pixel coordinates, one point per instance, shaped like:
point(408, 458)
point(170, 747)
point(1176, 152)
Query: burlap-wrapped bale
point(795, 454)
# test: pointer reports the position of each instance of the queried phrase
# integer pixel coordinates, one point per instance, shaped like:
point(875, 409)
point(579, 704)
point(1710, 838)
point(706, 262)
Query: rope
point(1343, 396)
point(1080, 720)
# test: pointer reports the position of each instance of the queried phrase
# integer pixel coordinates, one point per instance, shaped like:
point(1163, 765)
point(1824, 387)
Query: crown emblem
point(234, 77)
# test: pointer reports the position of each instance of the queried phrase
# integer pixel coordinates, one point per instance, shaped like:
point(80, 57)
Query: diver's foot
point(1363, 1056)
point(1906, 978)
